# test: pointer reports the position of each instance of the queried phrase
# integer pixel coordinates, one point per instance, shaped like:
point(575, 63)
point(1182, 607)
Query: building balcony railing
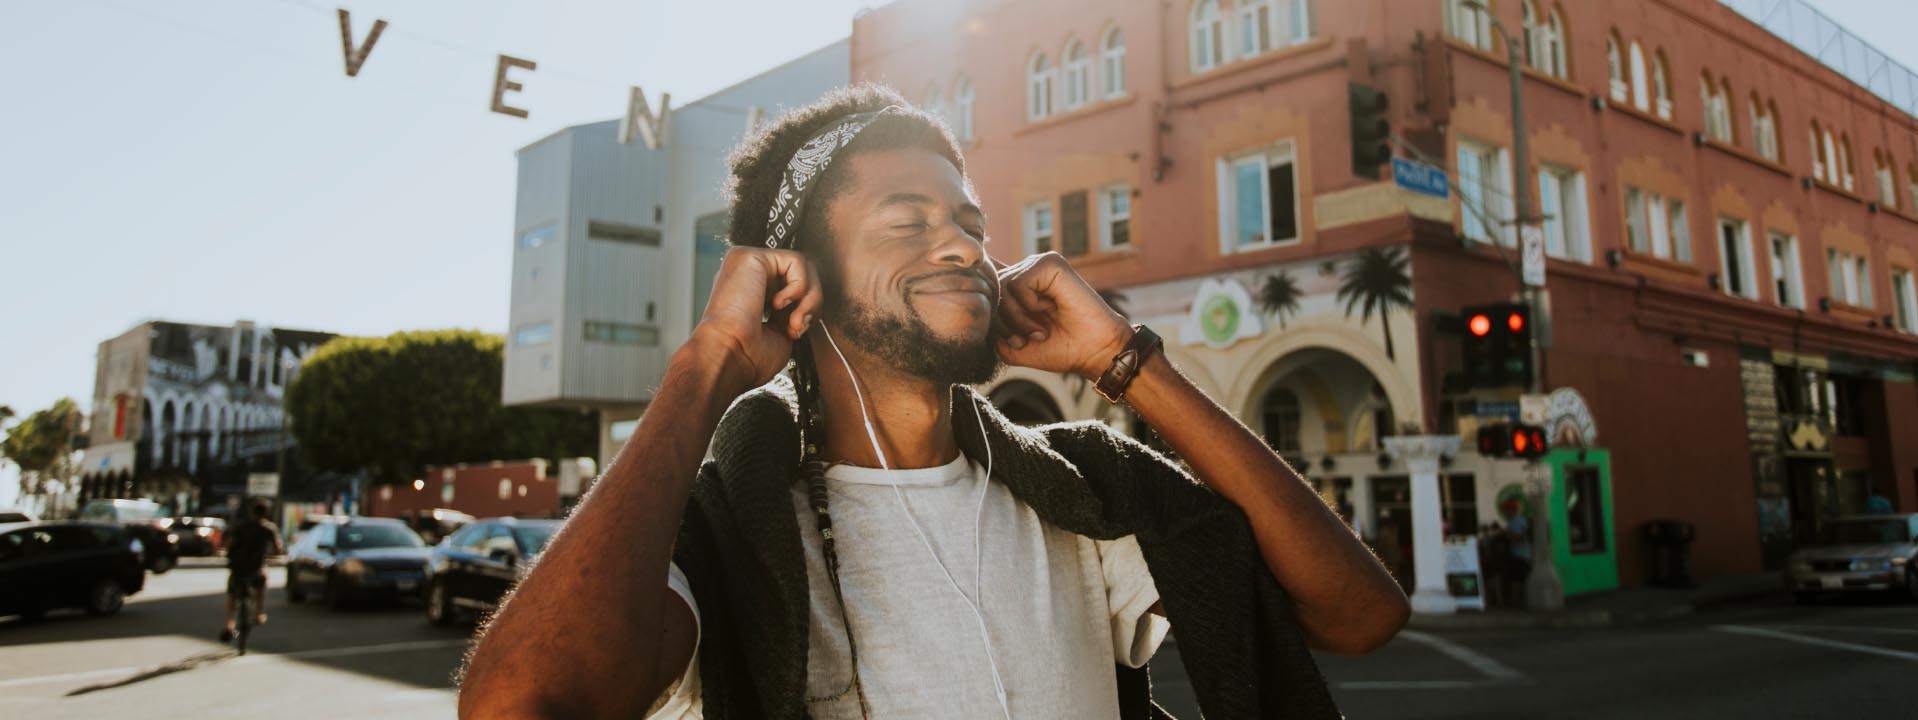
point(1798, 23)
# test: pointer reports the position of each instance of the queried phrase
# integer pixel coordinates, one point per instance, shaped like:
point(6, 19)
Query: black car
point(360, 557)
point(91, 566)
point(197, 536)
point(146, 520)
point(473, 568)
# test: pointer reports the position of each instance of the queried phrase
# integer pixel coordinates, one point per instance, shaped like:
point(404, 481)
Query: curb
point(1580, 617)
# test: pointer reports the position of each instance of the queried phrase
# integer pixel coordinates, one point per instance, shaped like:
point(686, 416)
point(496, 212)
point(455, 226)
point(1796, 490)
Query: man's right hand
point(752, 283)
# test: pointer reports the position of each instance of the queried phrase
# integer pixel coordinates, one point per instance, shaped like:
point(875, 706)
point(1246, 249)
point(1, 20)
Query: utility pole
point(1543, 589)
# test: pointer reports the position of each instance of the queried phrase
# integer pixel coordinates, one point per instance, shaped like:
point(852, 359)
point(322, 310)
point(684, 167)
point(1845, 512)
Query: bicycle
point(244, 623)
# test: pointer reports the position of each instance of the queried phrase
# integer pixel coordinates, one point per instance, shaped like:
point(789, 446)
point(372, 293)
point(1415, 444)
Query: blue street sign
point(1419, 177)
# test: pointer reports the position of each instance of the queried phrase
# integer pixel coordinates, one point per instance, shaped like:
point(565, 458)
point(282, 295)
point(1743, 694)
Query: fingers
point(807, 307)
point(1023, 309)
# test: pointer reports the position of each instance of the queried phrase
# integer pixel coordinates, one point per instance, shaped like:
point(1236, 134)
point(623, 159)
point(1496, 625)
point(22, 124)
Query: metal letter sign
point(1532, 250)
point(1419, 177)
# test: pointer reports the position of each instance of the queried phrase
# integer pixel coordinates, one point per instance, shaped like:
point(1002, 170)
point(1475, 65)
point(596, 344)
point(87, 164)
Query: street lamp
point(1543, 589)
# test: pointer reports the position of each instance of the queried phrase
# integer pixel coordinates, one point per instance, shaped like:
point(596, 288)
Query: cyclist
point(246, 549)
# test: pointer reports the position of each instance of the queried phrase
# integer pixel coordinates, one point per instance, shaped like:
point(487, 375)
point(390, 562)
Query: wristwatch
point(1125, 366)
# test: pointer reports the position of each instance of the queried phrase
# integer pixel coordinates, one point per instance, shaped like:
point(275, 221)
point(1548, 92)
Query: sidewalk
point(1615, 607)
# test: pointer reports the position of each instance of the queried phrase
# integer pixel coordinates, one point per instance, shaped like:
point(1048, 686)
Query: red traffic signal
point(1509, 440)
point(1515, 321)
point(1480, 325)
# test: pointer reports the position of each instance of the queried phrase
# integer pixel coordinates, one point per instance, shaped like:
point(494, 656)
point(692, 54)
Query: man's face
point(908, 280)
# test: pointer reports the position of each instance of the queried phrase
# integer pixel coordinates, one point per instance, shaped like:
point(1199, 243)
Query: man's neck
point(911, 416)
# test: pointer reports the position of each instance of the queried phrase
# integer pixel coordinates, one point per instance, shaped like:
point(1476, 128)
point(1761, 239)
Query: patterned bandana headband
point(805, 167)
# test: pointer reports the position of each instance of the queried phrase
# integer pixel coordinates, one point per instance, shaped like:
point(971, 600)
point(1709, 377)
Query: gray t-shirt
point(1060, 609)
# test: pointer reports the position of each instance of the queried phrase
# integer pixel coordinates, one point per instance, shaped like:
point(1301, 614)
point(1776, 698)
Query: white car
point(1859, 553)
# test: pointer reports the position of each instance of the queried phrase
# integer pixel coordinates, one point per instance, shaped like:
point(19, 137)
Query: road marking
point(1820, 642)
point(1847, 628)
point(244, 660)
point(1496, 671)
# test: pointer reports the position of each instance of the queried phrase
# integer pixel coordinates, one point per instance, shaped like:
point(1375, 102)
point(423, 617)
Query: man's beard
point(906, 343)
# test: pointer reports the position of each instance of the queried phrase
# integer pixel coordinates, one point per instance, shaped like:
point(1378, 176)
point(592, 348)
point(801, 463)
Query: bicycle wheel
point(245, 622)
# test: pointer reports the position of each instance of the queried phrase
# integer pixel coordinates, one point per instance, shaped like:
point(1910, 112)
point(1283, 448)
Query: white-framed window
point(1078, 75)
point(1254, 20)
point(1641, 85)
point(1844, 159)
point(1112, 63)
point(1471, 24)
point(1681, 225)
point(1821, 151)
point(1485, 195)
point(1615, 68)
point(1764, 130)
point(1905, 297)
point(1887, 183)
point(1638, 234)
point(1207, 36)
point(1551, 42)
point(1787, 277)
point(1657, 226)
point(962, 107)
point(1660, 224)
point(1259, 198)
point(533, 333)
point(614, 333)
point(1115, 217)
point(1039, 228)
point(1735, 259)
point(1864, 282)
point(1718, 109)
point(1561, 194)
point(1661, 86)
point(1038, 87)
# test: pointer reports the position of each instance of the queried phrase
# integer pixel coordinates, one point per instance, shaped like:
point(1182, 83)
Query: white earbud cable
point(998, 684)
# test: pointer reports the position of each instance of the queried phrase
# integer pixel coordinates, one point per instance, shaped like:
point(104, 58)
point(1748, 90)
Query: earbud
point(978, 517)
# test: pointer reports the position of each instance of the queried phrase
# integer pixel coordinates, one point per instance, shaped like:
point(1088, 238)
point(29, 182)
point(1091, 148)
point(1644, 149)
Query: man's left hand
point(1050, 319)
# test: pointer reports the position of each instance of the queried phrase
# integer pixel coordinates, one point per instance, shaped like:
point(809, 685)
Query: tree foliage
point(391, 405)
point(41, 444)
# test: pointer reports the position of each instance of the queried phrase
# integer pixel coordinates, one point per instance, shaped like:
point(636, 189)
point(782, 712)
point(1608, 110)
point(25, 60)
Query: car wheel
point(1911, 583)
point(162, 563)
point(439, 606)
point(336, 595)
point(294, 594)
point(106, 598)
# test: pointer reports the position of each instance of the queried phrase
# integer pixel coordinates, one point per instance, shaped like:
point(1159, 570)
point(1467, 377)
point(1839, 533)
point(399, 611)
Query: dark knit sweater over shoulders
point(741, 551)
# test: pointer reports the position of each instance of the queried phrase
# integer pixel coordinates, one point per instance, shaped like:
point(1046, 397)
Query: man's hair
point(759, 163)
point(261, 508)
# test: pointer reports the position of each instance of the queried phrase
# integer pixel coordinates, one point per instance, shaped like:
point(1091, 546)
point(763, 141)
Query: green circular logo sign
point(1219, 319)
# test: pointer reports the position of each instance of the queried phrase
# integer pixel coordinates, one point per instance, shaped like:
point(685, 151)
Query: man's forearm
point(1346, 600)
point(597, 603)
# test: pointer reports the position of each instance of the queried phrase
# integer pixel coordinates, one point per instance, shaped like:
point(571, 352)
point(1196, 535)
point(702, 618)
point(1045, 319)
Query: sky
point(209, 160)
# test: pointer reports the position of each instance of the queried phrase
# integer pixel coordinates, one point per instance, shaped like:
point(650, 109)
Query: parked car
point(354, 558)
point(475, 566)
point(11, 518)
point(434, 524)
point(146, 520)
point(91, 566)
point(197, 536)
point(1859, 553)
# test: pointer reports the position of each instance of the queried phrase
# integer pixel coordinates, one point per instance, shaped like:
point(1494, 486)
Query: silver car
point(1859, 553)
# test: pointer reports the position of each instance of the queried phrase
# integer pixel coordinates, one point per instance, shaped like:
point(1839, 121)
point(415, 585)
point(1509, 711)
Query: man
point(246, 549)
point(891, 546)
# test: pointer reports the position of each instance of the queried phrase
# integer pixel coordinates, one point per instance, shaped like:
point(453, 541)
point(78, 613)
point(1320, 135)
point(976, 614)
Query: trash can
point(1671, 547)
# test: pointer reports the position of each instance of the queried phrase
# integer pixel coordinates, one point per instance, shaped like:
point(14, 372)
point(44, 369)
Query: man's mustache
point(990, 280)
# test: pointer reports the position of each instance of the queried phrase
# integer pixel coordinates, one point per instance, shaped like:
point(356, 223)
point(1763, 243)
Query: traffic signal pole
point(1543, 588)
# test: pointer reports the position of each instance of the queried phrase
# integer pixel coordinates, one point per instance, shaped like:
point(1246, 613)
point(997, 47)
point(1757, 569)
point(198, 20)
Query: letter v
point(357, 57)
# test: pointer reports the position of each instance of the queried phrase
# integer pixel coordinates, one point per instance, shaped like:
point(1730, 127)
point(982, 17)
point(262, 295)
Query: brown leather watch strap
point(1126, 365)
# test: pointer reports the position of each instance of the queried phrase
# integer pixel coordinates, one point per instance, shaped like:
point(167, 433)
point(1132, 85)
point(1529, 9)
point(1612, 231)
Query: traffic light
point(1497, 347)
point(1512, 440)
point(1371, 130)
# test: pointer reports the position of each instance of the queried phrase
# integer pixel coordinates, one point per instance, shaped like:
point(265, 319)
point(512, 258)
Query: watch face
point(1219, 319)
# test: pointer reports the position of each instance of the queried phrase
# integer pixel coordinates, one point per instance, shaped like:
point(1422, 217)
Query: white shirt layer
point(1060, 609)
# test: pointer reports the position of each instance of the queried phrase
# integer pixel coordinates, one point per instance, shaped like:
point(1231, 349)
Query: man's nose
point(953, 246)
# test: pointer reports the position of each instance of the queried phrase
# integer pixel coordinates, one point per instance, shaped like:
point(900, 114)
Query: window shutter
point(1073, 227)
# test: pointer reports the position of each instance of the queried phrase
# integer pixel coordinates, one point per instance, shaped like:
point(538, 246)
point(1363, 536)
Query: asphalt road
point(161, 656)
point(1766, 659)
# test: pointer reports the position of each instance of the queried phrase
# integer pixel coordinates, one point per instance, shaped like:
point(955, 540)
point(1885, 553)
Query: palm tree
point(1378, 280)
point(1279, 296)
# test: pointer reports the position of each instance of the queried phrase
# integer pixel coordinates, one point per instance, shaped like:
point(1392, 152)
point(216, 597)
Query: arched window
point(1556, 63)
point(1280, 411)
point(1911, 187)
point(1208, 50)
point(1640, 87)
point(1254, 22)
point(1728, 127)
point(1764, 129)
point(1777, 142)
point(1887, 181)
point(1112, 63)
point(1716, 98)
point(1615, 68)
point(1661, 85)
point(962, 107)
point(1821, 151)
point(1470, 22)
point(1038, 87)
point(1534, 36)
point(1844, 160)
point(1078, 75)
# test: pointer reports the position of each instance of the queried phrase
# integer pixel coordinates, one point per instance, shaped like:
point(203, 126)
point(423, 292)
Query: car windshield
point(1852, 532)
point(377, 536)
point(533, 537)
